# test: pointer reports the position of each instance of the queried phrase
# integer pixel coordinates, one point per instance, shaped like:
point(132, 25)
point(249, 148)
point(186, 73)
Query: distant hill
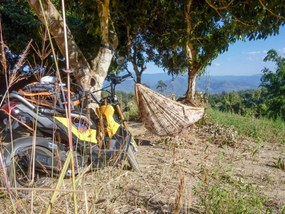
point(214, 84)
point(218, 84)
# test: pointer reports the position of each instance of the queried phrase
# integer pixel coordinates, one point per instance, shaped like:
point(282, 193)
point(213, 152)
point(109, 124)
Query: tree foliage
point(179, 35)
point(274, 84)
point(247, 102)
point(19, 25)
point(132, 22)
point(189, 34)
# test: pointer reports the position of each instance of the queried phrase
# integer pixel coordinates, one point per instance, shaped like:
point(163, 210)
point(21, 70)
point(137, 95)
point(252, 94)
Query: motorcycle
point(100, 136)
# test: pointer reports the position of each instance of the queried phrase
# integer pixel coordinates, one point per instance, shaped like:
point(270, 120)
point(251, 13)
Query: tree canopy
point(190, 34)
point(19, 24)
point(179, 35)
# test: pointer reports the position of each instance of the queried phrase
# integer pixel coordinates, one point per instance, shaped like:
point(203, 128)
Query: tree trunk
point(191, 53)
point(133, 58)
point(109, 43)
point(138, 70)
point(54, 22)
point(139, 78)
point(89, 77)
point(191, 86)
point(101, 65)
point(193, 70)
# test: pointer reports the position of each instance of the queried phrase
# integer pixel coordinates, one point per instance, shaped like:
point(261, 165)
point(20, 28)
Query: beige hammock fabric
point(164, 116)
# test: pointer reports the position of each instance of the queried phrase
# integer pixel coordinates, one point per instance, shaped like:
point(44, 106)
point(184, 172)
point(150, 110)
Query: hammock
point(164, 116)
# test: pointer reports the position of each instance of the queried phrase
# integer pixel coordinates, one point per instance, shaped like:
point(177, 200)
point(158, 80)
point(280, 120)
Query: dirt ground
point(168, 160)
point(171, 170)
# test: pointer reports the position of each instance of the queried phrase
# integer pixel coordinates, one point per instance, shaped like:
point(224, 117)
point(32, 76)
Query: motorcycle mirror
point(120, 60)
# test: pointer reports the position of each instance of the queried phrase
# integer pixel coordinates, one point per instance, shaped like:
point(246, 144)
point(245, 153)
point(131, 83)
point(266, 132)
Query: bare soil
point(171, 168)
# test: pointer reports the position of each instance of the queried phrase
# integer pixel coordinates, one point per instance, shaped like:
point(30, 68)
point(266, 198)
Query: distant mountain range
point(212, 84)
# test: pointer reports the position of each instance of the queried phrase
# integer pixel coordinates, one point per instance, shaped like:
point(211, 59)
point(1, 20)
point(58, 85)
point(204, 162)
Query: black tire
point(19, 171)
point(132, 160)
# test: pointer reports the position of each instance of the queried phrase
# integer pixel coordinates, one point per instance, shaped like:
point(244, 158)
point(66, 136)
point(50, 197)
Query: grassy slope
point(259, 129)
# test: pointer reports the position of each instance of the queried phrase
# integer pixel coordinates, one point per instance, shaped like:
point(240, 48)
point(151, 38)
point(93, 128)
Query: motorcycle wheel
point(20, 170)
point(131, 157)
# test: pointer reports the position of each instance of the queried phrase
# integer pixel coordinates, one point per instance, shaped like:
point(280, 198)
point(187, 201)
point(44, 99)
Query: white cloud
point(253, 52)
point(216, 64)
point(264, 52)
point(256, 52)
point(255, 58)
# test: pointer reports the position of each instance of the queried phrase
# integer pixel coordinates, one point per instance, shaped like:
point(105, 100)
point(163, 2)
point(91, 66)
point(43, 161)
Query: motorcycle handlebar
point(118, 79)
point(22, 99)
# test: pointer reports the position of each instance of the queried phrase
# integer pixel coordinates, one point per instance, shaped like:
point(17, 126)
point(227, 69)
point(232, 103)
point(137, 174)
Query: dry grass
point(169, 174)
point(179, 196)
point(112, 190)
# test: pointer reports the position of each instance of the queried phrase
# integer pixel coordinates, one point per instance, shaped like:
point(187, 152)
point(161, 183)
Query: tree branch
point(219, 8)
point(270, 11)
point(224, 8)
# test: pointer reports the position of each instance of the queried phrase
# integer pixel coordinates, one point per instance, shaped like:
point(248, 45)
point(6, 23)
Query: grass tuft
point(224, 193)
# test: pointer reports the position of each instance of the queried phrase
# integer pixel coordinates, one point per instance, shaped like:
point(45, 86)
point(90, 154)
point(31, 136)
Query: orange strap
point(29, 94)
point(75, 103)
point(38, 103)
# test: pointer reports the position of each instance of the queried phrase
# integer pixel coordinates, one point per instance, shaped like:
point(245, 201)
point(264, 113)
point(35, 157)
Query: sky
point(246, 58)
point(242, 58)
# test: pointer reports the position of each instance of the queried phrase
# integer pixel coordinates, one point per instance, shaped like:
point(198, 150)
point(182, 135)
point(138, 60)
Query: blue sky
point(246, 58)
point(242, 58)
